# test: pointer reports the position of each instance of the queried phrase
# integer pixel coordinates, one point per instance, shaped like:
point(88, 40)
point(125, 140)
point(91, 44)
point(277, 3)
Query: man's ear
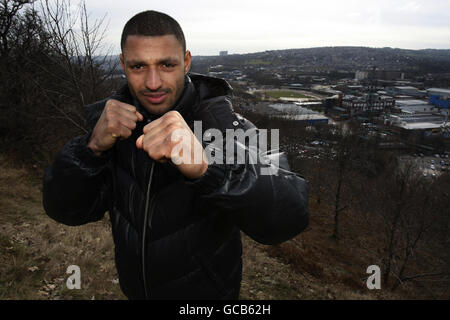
point(187, 61)
point(122, 62)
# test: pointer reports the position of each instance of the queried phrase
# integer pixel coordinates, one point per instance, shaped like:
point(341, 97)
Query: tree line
point(49, 71)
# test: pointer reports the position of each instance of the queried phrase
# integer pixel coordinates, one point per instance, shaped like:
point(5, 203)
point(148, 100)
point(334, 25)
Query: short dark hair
point(152, 23)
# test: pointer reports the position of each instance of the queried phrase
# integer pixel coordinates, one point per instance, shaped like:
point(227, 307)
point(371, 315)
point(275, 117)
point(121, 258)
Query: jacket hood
point(210, 87)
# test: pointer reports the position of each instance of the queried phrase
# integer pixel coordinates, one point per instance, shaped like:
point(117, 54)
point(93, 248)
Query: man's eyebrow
point(160, 61)
point(134, 62)
point(169, 60)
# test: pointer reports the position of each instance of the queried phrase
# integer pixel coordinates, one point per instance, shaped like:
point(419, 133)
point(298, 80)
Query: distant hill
point(330, 59)
point(342, 58)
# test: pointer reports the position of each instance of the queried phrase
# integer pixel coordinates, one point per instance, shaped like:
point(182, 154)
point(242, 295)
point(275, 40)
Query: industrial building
point(353, 105)
point(405, 91)
point(379, 75)
point(309, 119)
point(422, 115)
point(415, 107)
point(295, 112)
point(429, 124)
point(439, 97)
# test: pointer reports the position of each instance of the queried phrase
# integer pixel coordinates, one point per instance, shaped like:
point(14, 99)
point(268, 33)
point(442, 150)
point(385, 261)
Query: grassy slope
point(35, 252)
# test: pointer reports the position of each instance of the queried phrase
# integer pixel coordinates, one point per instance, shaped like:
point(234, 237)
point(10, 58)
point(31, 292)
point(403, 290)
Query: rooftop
point(406, 88)
point(420, 125)
point(438, 90)
point(411, 102)
point(305, 117)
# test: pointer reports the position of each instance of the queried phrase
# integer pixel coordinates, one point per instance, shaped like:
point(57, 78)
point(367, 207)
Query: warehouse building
point(439, 97)
point(415, 106)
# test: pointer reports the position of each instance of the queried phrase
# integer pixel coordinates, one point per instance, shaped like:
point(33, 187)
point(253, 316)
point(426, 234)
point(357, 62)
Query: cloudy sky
point(243, 26)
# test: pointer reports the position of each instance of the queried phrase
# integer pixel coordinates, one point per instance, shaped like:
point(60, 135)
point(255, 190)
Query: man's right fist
point(117, 121)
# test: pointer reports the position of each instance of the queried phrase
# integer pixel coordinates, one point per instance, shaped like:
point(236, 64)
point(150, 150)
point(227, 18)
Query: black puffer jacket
point(190, 236)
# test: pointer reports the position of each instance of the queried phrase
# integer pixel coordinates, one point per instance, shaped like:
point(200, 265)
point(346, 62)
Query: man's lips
point(156, 98)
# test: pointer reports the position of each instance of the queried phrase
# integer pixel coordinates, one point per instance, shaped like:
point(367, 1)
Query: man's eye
point(137, 67)
point(169, 65)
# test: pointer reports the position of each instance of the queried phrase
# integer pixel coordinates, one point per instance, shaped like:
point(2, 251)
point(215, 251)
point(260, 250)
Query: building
point(428, 124)
point(361, 75)
point(439, 97)
point(405, 91)
point(299, 113)
point(308, 119)
point(385, 75)
point(223, 53)
point(295, 86)
point(369, 103)
point(324, 90)
point(415, 107)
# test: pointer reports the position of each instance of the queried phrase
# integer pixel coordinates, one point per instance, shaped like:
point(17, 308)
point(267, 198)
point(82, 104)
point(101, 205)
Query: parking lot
point(430, 166)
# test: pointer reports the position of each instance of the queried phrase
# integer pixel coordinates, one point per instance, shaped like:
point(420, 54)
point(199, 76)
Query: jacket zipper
point(148, 205)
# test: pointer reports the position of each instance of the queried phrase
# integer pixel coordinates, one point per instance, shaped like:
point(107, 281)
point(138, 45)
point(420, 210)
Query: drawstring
point(147, 203)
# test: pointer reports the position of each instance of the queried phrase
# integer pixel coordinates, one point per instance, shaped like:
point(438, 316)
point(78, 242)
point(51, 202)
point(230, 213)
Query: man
point(176, 224)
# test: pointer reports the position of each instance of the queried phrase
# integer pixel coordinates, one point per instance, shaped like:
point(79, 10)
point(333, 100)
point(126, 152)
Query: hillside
point(323, 59)
point(342, 58)
point(35, 252)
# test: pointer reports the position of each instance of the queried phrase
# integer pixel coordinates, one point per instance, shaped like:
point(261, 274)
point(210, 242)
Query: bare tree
point(78, 43)
point(53, 62)
point(407, 208)
point(8, 12)
point(344, 176)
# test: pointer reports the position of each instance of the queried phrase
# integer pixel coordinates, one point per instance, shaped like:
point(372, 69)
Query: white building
point(361, 75)
point(444, 93)
point(409, 91)
point(414, 106)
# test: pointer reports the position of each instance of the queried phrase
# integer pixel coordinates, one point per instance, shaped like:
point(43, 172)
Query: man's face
point(155, 69)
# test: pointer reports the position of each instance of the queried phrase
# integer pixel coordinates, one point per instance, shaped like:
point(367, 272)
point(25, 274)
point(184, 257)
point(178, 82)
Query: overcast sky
point(243, 26)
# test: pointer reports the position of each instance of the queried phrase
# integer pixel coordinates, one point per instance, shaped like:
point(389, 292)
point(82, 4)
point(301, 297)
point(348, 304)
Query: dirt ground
point(35, 252)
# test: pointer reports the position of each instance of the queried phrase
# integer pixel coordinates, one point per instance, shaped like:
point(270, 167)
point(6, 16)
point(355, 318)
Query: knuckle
point(147, 129)
point(134, 117)
point(166, 120)
point(130, 108)
point(112, 126)
point(129, 124)
point(172, 116)
point(127, 133)
point(109, 112)
point(171, 127)
point(110, 104)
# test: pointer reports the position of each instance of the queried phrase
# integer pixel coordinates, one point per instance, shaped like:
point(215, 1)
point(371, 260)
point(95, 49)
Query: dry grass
point(315, 266)
point(35, 252)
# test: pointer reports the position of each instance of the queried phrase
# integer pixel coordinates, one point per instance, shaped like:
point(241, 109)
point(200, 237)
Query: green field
point(258, 62)
point(286, 94)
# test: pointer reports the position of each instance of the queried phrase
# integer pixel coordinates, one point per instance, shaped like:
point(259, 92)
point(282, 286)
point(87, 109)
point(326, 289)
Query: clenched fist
point(169, 139)
point(117, 121)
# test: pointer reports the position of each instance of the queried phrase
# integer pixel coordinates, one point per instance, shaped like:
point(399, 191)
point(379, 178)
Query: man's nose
point(153, 80)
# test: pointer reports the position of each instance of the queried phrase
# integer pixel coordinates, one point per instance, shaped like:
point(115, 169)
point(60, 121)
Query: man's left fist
point(169, 139)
